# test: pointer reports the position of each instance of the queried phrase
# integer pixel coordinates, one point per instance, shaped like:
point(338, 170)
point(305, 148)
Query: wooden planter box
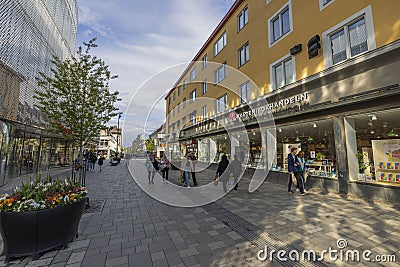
point(30, 233)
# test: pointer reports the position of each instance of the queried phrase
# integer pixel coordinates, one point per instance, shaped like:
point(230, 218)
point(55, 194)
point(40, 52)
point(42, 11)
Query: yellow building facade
point(331, 63)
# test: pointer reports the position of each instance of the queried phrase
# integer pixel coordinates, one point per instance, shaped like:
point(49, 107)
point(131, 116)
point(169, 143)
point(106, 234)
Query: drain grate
point(256, 235)
point(96, 206)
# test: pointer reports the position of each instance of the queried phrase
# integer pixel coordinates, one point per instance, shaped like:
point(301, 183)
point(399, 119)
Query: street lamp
point(118, 132)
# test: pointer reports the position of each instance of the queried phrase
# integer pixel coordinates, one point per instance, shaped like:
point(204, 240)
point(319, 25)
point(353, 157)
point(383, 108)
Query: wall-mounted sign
point(273, 107)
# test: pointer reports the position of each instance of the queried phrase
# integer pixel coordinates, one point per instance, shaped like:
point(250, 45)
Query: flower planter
point(30, 233)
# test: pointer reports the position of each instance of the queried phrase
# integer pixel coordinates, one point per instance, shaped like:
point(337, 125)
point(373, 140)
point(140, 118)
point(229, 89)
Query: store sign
point(273, 107)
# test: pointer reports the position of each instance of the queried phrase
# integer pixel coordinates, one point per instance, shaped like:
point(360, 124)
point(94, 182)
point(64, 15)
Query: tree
point(76, 99)
point(150, 146)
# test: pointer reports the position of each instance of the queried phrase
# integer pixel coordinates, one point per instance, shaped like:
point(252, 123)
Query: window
point(192, 118)
point(179, 107)
point(184, 121)
point(245, 92)
point(282, 72)
point(179, 90)
point(243, 18)
point(204, 89)
point(204, 61)
point(193, 75)
point(221, 104)
point(350, 38)
point(280, 24)
point(244, 54)
point(184, 84)
point(174, 96)
point(184, 103)
point(169, 101)
point(324, 3)
point(204, 112)
point(192, 96)
point(220, 44)
point(220, 73)
point(178, 125)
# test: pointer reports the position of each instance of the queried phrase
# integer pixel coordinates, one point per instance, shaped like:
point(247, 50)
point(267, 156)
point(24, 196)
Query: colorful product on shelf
point(390, 177)
point(389, 166)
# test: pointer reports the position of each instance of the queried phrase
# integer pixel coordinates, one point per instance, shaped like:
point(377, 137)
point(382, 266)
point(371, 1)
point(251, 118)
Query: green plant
point(362, 166)
point(41, 195)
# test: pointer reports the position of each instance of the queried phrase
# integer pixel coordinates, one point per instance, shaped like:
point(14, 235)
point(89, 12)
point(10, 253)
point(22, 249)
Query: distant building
point(109, 142)
point(158, 137)
point(138, 147)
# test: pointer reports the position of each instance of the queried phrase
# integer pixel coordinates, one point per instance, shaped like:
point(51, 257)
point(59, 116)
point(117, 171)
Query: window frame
point(191, 99)
point(179, 90)
point(286, 6)
point(217, 50)
point(204, 61)
point(184, 103)
point(217, 79)
point(204, 87)
point(245, 14)
point(193, 74)
point(326, 36)
point(246, 54)
point(322, 5)
point(184, 84)
point(174, 95)
point(217, 104)
point(248, 91)
point(281, 62)
point(192, 117)
point(204, 111)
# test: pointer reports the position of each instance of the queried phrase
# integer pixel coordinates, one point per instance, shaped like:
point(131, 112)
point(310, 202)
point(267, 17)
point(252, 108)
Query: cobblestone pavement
point(126, 227)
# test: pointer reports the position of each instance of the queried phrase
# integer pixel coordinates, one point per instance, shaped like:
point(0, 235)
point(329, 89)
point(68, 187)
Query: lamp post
point(118, 132)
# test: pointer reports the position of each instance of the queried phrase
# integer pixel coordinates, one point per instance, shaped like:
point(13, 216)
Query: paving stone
point(117, 261)
point(188, 252)
point(141, 259)
point(78, 244)
point(43, 262)
point(157, 256)
point(76, 257)
point(62, 256)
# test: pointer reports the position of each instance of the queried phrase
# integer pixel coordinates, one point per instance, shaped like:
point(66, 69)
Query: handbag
point(216, 178)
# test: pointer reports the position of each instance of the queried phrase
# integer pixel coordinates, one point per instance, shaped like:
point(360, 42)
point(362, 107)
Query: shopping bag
point(216, 178)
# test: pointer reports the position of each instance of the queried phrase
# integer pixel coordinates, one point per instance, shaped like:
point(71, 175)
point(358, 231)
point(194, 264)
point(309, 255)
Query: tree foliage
point(150, 146)
point(76, 99)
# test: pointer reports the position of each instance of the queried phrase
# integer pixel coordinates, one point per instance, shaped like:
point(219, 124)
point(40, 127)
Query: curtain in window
point(358, 37)
point(338, 44)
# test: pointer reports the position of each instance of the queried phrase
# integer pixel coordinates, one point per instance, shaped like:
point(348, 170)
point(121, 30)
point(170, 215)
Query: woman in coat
point(186, 167)
point(221, 171)
point(164, 166)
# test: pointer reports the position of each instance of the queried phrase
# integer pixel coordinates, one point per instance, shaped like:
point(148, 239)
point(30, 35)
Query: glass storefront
point(315, 139)
point(373, 145)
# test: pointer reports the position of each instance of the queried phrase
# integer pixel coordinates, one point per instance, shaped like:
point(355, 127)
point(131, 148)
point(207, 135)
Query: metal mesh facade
point(31, 32)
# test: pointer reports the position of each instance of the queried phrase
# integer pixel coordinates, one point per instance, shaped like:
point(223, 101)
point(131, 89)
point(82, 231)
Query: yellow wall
point(308, 20)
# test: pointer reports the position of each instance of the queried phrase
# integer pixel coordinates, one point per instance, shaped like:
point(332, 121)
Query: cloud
point(138, 39)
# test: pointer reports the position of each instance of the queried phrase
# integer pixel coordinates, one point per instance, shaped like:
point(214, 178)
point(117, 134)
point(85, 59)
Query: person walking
point(101, 160)
point(302, 169)
point(151, 171)
point(293, 164)
point(235, 167)
point(186, 167)
point(164, 166)
point(221, 171)
point(193, 170)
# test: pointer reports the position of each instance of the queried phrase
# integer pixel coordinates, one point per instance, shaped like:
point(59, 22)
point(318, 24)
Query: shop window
point(315, 139)
point(243, 18)
point(282, 72)
point(280, 24)
point(350, 38)
point(220, 44)
point(221, 104)
point(373, 147)
point(245, 92)
point(244, 55)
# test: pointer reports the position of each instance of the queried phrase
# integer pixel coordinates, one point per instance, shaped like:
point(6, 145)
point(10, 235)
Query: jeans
point(186, 176)
point(164, 173)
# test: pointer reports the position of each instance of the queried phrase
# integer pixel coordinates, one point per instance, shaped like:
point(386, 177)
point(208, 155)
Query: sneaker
point(302, 193)
point(291, 192)
point(297, 190)
point(305, 190)
point(188, 186)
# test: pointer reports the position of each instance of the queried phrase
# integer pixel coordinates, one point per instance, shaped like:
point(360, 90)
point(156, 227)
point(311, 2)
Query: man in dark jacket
point(293, 168)
point(221, 171)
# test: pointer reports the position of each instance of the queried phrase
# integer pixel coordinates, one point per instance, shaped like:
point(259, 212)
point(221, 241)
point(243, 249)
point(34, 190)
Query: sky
point(138, 39)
